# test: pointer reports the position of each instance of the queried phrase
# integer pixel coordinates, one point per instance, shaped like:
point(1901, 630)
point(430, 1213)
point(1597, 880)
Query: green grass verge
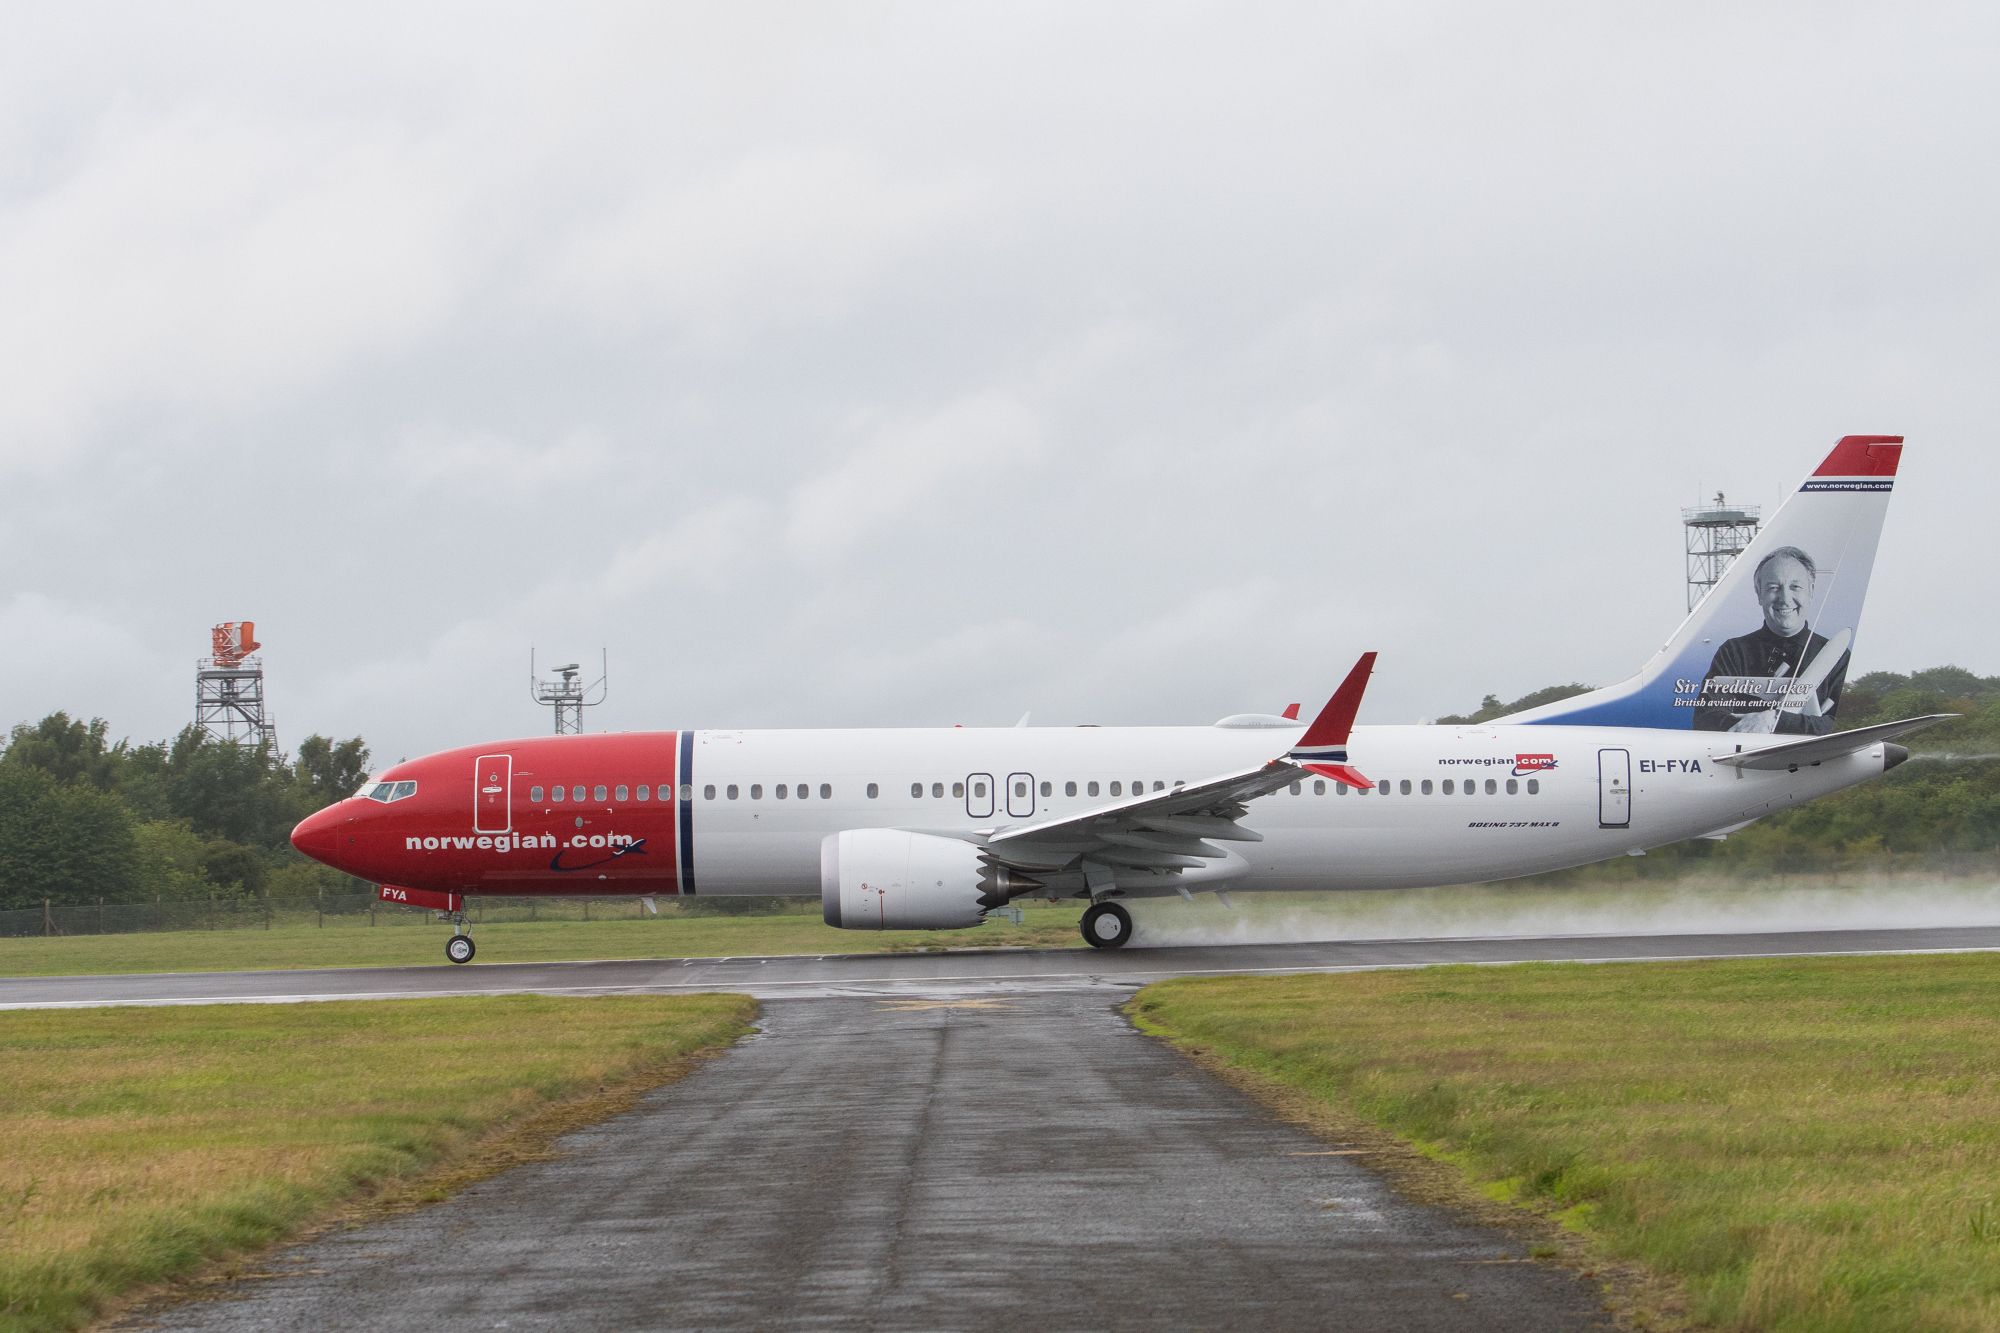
point(142, 1144)
point(1799, 1144)
point(294, 946)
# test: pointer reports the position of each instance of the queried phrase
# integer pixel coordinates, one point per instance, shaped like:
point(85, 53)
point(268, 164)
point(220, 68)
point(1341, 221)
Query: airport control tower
point(1716, 535)
point(229, 689)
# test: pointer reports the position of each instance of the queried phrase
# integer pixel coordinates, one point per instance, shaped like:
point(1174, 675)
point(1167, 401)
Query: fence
point(348, 911)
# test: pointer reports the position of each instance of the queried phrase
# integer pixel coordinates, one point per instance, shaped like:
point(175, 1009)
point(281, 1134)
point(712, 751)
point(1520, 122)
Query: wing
point(1169, 839)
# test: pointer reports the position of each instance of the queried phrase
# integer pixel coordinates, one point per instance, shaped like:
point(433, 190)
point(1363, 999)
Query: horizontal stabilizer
point(1817, 748)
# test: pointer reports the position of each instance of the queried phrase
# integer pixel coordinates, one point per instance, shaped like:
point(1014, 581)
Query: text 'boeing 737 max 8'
point(933, 829)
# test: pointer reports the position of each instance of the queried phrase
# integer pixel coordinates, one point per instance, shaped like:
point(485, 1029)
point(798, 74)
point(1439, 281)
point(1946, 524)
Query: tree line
point(84, 819)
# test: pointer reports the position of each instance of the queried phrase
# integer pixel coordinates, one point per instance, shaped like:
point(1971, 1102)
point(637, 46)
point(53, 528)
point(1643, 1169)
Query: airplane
point(938, 828)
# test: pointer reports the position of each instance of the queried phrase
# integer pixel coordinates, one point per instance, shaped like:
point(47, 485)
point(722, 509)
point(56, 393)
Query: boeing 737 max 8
point(933, 829)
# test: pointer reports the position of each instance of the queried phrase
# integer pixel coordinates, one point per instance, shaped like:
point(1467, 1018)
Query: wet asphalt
point(1006, 1162)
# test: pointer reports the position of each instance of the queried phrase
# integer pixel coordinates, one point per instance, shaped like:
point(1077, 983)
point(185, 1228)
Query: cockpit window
point(386, 792)
point(404, 789)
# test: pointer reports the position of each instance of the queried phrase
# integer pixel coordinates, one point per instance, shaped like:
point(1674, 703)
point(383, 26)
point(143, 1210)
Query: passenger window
point(645, 793)
point(937, 791)
point(687, 791)
point(598, 793)
point(826, 791)
point(1427, 786)
point(916, 791)
point(958, 790)
point(781, 791)
point(1295, 789)
point(1471, 788)
point(1513, 787)
point(1383, 786)
point(1116, 789)
point(1069, 789)
point(556, 795)
point(1020, 789)
point(708, 792)
point(1445, 787)
point(1492, 787)
point(1092, 789)
point(1138, 786)
point(1319, 786)
point(1405, 786)
point(1159, 785)
point(873, 791)
point(1048, 789)
point(732, 790)
point(979, 790)
point(756, 791)
point(623, 793)
point(1534, 786)
point(1340, 789)
point(535, 795)
point(576, 792)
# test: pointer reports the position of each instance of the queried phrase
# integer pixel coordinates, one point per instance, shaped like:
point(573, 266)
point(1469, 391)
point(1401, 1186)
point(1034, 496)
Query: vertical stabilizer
point(1767, 650)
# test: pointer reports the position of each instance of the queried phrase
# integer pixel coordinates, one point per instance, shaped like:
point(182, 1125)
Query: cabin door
point(1614, 789)
point(492, 781)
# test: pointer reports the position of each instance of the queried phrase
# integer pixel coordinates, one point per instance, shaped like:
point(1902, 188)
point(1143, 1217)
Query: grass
point(296, 946)
point(143, 1144)
point(1794, 1144)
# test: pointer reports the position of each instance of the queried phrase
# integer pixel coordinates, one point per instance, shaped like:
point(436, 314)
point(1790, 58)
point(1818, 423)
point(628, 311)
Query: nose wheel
point(459, 947)
point(1107, 926)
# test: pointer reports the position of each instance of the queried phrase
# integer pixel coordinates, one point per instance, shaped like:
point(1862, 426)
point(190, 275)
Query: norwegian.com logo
point(1525, 764)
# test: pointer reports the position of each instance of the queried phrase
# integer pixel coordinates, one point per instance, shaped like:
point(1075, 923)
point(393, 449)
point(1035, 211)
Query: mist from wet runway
point(1687, 906)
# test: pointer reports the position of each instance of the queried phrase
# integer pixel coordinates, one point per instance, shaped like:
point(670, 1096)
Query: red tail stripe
point(1863, 456)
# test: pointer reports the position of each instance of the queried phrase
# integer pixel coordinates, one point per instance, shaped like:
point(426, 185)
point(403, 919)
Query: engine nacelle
point(887, 879)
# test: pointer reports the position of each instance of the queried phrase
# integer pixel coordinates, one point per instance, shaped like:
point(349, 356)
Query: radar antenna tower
point(1716, 535)
point(229, 690)
point(567, 695)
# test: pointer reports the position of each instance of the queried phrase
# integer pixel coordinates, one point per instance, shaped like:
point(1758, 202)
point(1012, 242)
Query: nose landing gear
point(459, 947)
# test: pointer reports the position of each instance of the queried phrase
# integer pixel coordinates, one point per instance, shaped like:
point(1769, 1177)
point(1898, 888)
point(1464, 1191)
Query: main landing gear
point(1107, 926)
point(459, 947)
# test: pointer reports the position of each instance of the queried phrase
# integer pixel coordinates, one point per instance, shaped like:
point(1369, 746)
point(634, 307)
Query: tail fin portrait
point(1767, 650)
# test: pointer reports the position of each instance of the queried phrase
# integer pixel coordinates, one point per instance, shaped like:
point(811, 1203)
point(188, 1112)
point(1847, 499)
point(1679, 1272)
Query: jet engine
point(889, 879)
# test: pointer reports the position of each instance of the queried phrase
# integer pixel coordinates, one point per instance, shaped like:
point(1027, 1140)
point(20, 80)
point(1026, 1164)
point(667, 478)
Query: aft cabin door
point(492, 779)
point(1614, 789)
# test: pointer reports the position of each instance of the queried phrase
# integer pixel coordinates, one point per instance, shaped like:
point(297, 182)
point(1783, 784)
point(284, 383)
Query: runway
point(946, 974)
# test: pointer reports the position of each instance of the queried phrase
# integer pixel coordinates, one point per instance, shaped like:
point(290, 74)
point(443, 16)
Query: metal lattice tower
point(566, 695)
point(229, 689)
point(1716, 535)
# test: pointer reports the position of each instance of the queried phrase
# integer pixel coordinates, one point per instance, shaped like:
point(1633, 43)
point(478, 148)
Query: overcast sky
point(931, 363)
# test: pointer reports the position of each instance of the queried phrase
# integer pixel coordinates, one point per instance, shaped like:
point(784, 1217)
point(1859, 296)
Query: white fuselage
point(1522, 799)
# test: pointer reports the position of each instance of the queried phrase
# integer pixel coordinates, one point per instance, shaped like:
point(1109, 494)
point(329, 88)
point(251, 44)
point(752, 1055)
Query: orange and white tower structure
point(229, 689)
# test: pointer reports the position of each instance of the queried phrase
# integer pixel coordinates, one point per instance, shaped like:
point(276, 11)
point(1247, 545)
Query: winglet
point(1323, 749)
point(1291, 711)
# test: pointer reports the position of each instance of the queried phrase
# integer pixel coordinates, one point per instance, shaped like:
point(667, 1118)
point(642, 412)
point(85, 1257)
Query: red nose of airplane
point(318, 835)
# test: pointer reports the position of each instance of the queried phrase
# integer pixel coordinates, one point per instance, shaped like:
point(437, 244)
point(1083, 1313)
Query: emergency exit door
point(1614, 789)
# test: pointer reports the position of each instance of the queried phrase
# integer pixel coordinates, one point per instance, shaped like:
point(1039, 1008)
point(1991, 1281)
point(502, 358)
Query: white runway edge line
point(853, 987)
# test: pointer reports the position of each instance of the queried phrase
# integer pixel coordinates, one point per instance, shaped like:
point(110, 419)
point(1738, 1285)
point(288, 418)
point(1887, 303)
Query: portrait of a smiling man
point(1780, 676)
